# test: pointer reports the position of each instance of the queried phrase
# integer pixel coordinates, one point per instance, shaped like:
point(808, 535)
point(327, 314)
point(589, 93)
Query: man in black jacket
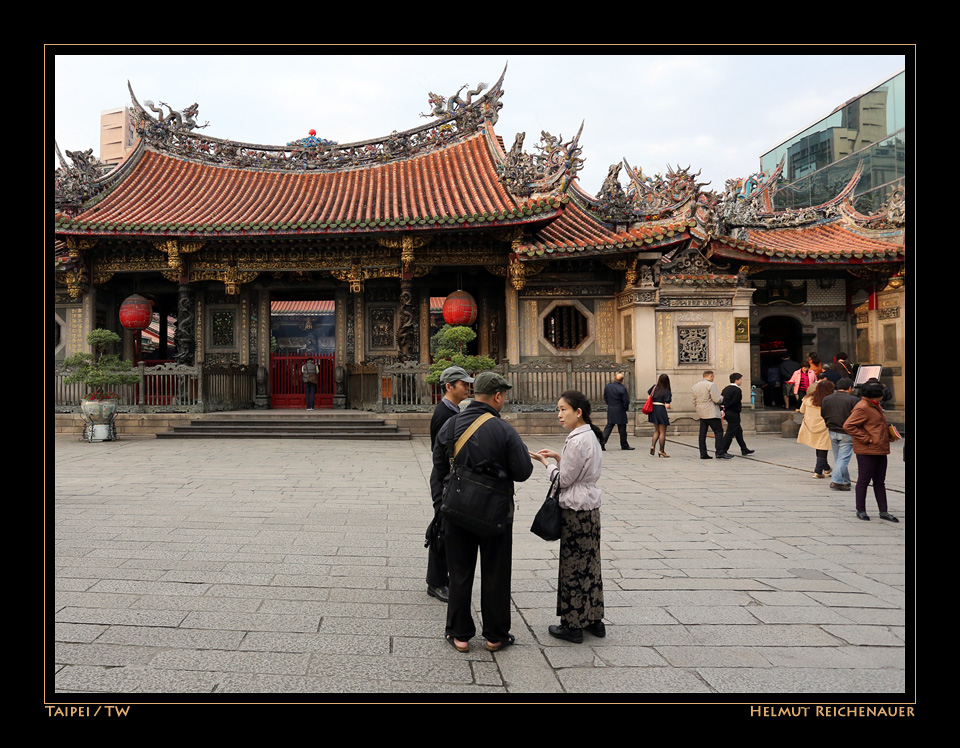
point(617, 398)
point(456, 388)
point(496, 449)
point(732, 406)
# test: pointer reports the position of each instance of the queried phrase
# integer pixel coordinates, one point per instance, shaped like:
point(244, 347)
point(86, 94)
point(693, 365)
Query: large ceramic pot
point(98, 416)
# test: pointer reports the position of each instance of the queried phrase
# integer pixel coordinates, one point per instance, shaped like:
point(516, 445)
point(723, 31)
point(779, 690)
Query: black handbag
point(433, 538)
point(547, 522)
point(475, 500)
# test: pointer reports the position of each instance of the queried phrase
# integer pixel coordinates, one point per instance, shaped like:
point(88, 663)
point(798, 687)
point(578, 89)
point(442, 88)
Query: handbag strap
point(469, 432)
point(454, 449)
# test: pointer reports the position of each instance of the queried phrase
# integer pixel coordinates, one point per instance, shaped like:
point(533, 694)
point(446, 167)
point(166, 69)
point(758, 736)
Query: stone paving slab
point(260, 567)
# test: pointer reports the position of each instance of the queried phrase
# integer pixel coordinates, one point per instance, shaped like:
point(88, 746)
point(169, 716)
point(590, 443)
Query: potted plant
point(447, 350)
point(100, 371)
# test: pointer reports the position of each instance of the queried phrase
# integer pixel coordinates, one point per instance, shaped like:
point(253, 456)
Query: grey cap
point(455, 374)
point(489, 382)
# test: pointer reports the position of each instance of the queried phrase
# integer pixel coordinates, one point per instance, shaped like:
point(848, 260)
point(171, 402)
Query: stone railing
point(536, 385)
point(171, 388)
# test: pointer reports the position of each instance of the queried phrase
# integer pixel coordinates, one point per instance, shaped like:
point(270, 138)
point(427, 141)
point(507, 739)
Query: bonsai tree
point(447, 350)
point(100, 370)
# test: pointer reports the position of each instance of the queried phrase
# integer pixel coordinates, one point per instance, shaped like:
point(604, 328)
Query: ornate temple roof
point(577, 231)
point(832, 243)
point(448, 174)
point(833, 233)
point(169, 196)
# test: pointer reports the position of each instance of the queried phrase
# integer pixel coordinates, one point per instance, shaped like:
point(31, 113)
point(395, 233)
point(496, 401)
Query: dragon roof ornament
point(457, 118)
point(662, 196)
point(74, 183)
point(548, 172)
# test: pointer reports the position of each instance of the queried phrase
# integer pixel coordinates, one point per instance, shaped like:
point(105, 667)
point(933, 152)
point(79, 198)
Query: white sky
point(717, 113)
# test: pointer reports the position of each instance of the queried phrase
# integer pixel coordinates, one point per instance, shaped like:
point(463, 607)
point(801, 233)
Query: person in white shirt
point(580, 585)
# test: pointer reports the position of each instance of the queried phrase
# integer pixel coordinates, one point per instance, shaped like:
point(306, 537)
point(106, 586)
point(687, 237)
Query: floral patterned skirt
point(580, 586)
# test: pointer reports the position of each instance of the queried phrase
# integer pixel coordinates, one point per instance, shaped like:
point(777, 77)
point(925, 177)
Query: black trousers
point(496, 559)
point(622, 427)
point(712, 423)
point(436, 563)
point(734, 431)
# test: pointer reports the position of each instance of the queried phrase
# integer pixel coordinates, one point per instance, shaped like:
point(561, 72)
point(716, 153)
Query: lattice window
point(565, 327)
point(693, 345)
point(223, 328)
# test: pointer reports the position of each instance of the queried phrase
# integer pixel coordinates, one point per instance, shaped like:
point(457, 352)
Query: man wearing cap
point(495, 448)
point(456, 388)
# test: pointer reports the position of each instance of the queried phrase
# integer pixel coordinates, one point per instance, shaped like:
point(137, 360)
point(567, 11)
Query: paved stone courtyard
point(297, 567)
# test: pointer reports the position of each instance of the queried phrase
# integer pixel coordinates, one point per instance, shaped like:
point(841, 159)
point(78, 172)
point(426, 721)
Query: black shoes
point(863, 515)
point(597, 629)
point(705, 457)
point(565, 633)
point(724, 456)
point(441, 593)
point(746, 452)
point(888, 517)
point(628, 449)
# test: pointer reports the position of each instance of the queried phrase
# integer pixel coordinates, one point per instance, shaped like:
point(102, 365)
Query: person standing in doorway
point(309, 371)
point(617, 398)
point(706, 400)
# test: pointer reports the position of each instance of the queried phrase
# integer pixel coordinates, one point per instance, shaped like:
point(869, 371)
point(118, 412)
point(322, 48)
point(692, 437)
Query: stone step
point(301, 425)
point(185, 433)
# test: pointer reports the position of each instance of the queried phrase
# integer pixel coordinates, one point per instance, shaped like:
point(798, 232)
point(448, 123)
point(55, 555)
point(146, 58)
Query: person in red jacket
point(871, 444)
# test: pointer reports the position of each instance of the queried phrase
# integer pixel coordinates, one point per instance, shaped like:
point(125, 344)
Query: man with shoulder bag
point(477, 457)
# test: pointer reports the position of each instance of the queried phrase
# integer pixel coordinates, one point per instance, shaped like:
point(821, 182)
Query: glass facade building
point(821, 160)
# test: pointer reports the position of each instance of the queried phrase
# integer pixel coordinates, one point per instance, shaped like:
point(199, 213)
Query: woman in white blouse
point(580, 586)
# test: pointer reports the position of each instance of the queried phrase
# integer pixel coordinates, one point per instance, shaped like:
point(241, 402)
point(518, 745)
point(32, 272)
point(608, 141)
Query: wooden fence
point(171, 388)
point(536, 386)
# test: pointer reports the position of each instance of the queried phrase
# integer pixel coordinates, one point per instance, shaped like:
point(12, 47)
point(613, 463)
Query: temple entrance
point(300, 330)
point(779, 336)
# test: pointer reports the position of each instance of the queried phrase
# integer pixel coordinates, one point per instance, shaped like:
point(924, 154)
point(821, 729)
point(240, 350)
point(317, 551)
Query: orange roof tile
point(826, 243)
point(578, 231)
point(168, 195)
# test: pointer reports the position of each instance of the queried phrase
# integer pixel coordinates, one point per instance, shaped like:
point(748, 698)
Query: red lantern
point(136, 313)
point(460, 309)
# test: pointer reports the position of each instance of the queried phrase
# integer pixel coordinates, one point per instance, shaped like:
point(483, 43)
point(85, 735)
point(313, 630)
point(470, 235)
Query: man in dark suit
point(617, 398)
point(732, 406)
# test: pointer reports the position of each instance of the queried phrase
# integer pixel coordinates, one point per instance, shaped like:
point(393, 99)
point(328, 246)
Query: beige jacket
point(813, 430)
point(706, 399)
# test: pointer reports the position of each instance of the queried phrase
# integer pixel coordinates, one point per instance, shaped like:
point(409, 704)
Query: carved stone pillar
point(186, 335)
point(408, 332)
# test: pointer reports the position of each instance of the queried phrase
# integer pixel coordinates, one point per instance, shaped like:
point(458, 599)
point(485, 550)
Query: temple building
point(259, 256)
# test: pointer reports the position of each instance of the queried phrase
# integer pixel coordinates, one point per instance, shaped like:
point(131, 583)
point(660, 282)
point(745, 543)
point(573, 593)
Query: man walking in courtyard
point(732, 407)
point(617, 398)
point(835, 409)
point(706, 400)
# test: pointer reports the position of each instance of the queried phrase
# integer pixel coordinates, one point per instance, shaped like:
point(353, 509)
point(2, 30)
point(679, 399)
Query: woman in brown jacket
point(871, 444)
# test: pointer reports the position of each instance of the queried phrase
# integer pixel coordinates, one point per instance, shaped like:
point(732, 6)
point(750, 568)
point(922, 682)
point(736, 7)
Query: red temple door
point(286, 381)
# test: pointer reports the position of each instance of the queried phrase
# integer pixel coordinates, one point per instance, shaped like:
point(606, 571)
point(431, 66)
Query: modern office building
point(821, 160)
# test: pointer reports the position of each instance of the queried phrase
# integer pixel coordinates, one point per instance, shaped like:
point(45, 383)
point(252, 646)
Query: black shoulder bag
point(474, 500)
point(547, 522)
